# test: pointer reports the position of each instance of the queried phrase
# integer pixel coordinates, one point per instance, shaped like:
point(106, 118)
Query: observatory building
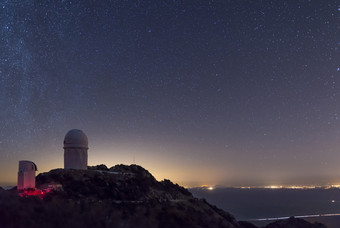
point(26, 175)
point(75, 150)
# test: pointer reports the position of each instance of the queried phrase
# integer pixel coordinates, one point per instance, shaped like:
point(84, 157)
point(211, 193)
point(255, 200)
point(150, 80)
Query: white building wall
point(75, 158)
point(26, 175)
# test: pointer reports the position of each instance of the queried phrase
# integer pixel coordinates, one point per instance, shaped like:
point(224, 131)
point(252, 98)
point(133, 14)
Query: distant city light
point(291, 187)
point(273, 186)
point(207, 187)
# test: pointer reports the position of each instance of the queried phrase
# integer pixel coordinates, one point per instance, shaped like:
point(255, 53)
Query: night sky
point(225, 92)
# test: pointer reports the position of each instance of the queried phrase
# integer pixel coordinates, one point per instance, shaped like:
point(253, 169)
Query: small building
point(26, 175)
point(75, 150)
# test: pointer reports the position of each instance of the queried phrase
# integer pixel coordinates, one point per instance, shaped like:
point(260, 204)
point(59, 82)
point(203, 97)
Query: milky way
point(225, 92)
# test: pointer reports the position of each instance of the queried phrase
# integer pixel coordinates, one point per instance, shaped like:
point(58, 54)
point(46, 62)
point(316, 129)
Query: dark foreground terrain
point(122, 196)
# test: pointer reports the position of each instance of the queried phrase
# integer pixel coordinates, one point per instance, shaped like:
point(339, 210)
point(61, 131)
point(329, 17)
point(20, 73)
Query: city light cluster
point(208, 187)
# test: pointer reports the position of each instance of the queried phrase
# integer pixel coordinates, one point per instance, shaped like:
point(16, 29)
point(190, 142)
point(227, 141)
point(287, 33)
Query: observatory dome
point(75, 139)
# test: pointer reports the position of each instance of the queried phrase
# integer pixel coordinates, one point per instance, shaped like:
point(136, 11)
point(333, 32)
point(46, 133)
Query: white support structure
point(26, 175)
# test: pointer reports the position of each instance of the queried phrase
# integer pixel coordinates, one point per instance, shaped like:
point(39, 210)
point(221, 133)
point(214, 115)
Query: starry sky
point(216, 92)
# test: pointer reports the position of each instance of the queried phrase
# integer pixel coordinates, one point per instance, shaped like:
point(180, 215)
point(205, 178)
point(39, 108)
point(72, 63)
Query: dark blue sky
point(200, 92)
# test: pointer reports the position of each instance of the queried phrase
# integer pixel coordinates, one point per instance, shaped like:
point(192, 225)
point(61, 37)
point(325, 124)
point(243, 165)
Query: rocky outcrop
point(119, 183)
point(122, 196)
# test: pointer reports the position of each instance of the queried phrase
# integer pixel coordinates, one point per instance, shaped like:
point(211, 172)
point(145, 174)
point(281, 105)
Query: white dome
point(75, 139)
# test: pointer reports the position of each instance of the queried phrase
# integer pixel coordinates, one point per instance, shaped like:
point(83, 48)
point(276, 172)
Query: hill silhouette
point(120, 196)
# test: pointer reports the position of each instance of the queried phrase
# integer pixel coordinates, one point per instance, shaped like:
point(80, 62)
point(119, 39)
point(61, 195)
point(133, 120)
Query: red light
point(37, 192)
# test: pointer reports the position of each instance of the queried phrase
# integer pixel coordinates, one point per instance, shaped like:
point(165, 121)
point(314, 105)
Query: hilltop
point(120, 196)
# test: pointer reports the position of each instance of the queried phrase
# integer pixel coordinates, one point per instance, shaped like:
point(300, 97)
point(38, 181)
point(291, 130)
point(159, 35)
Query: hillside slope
point(122, 196)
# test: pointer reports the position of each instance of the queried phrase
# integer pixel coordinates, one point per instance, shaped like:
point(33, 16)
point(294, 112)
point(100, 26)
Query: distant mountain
point(294, 223)
point(122, 196)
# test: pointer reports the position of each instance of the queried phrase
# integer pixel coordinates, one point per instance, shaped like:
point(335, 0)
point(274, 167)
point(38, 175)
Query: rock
point(98, 167)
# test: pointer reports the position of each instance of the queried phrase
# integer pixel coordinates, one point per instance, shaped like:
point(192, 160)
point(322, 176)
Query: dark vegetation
point(120, 196)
